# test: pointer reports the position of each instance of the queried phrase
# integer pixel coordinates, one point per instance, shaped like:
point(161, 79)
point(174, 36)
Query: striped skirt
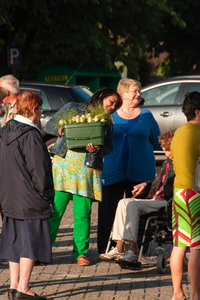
point(186, 218)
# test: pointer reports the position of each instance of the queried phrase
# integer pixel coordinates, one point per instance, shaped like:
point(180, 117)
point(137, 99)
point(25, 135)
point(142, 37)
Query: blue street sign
point(14, 56)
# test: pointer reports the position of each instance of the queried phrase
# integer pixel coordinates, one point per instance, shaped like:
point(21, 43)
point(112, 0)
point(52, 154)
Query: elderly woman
point(77, 172)
point(185, 150)
point(26, 195)
point(132, 159)
point(3, 94)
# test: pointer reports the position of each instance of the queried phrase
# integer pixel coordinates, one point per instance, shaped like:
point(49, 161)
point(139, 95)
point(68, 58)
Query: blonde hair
point(125, 83)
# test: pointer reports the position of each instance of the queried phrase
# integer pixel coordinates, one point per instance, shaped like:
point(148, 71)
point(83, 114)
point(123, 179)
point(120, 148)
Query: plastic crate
point(78, 135)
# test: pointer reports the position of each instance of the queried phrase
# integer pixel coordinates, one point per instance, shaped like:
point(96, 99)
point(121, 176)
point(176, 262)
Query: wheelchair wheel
point(161, 263)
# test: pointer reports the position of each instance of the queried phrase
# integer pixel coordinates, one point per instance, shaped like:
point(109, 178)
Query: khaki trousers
point(129, 210)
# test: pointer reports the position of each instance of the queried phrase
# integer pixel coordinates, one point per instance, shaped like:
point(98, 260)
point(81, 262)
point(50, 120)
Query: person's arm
point(169, 183)
point(39, 165)
point(53, 126)
point(139, 189)
point(155, 133)
point(107, 147)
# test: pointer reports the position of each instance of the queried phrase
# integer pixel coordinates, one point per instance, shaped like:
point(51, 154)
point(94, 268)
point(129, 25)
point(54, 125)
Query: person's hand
point(91, 148)
point(157, 198)
point(138, 189)
point(60, 131)
point(160, 192)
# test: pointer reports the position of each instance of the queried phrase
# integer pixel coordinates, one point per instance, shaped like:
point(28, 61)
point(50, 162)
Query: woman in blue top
point(132, 159)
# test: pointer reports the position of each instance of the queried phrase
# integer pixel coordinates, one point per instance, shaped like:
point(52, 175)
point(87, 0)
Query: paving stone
point(63, 279)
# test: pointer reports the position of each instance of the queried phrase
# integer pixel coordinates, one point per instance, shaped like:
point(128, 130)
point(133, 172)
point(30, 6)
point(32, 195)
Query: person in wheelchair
point(129, 210)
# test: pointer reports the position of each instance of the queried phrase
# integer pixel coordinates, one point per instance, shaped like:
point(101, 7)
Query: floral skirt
point(186, 218)
point(71, 175)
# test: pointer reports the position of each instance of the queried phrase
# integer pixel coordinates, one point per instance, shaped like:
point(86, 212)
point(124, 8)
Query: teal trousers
point(82, 207)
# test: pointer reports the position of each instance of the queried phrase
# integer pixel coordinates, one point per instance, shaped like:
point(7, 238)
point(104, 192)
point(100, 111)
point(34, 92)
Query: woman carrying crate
point(77, 172)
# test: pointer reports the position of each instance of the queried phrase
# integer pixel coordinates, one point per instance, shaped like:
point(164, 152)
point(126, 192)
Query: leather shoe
point(23, 296)
point(11, 293)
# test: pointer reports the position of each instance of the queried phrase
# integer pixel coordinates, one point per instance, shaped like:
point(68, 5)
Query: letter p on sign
point(14, 56)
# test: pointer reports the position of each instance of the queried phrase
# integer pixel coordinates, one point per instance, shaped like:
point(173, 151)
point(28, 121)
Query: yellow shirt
point(185, 150)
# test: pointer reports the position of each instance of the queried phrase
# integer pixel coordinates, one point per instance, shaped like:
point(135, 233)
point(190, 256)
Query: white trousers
point(129, 210)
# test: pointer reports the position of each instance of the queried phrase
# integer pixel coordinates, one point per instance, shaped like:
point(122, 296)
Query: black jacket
point(153, 185)
point(25, 173)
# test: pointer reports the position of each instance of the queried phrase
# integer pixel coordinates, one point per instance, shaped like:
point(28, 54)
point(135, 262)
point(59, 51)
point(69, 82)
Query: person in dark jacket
point(26, 196)
point(129, 210)
point(77, 172)
point(3, 94)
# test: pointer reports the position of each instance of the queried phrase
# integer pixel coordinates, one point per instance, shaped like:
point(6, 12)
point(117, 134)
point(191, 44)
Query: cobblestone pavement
point(64, 279)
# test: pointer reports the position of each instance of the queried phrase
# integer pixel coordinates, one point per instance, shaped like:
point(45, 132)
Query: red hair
point(26, 101)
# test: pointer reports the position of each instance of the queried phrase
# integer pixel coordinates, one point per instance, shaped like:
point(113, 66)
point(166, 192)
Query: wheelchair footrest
point(135, 264)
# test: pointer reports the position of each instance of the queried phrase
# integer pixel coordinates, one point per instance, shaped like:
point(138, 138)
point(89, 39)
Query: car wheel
point(50, 143)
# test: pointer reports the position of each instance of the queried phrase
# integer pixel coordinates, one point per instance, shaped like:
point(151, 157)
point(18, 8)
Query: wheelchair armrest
point(169, 204)
point(168, 207)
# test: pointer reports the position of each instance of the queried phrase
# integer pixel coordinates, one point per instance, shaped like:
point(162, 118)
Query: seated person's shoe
point(129, 257)
point(113, 254)
point(23, 296)
point(11, 293)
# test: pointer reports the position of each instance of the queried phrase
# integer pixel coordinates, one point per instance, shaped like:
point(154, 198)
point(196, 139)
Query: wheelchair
point(155, 229)
point(158, 229)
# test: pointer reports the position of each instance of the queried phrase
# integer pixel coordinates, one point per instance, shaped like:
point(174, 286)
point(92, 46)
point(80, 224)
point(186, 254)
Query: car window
point(194, 87)
point(45, 105)
point(80, 94)
point(161, 95)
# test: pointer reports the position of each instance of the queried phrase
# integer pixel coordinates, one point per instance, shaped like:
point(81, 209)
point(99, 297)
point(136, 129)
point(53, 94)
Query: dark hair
point(190, 104)
point(142, 101)
point(26, 101)
point(166, 139)
point(104, 93)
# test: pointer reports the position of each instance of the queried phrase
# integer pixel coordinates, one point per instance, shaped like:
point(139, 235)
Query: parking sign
point(14, 56)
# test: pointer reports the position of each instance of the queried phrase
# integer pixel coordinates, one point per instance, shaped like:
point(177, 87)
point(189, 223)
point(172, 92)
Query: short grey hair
point(10, 83)
point(125, 83)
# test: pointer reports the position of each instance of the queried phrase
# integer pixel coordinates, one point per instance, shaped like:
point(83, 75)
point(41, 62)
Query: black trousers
point(111, 194)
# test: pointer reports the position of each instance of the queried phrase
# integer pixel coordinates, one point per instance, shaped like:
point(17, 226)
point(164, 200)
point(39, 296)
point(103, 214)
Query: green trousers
point(82, 207)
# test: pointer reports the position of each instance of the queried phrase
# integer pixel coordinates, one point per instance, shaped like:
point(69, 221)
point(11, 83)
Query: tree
point(181, 43)
point(67, 32)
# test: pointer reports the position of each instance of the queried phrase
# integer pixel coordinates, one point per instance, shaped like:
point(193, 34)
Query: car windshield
point(80, 94)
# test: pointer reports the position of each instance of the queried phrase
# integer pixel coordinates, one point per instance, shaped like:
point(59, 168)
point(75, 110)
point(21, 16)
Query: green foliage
point(164, 69)
point(95, 114)
point(182, 43)
point(97, 32)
